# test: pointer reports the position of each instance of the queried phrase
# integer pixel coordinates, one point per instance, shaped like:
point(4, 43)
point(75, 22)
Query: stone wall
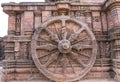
point(101, 17)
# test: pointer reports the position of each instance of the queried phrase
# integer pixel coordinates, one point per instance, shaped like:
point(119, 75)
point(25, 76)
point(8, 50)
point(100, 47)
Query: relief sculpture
point(61, 41)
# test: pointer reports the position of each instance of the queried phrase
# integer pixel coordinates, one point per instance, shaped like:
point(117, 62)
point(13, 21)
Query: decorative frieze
point(49, 7)
point(63, 6)
point(17, 38)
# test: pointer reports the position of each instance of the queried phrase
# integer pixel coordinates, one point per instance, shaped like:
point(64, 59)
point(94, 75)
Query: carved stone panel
point(46, 15)
point(61, 40)
point(27, 23)
point(12, 21)
point(96, 22)
point(18, 24)
point(38, 19)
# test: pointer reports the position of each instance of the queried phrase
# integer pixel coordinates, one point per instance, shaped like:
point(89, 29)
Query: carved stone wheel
point(63, 49)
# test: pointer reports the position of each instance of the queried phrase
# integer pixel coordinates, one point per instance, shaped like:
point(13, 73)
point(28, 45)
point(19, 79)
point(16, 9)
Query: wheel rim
point(63, 49)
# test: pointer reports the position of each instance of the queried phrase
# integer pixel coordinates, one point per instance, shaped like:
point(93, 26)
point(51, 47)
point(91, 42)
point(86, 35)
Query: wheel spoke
point(75, 57)
point(53, 36)
point(80, 39)
point(63, 30)
point(56, 29)
point(63, 22)
point(64, 33)
point(58, 61)
point(46, 40)
point(48, 47)
point(47, 54)
point(71, 26)
point(52, 58)
point(76, 34)
point(71, 64)
point(65, 62)
point(83, 54)
point(81, 47)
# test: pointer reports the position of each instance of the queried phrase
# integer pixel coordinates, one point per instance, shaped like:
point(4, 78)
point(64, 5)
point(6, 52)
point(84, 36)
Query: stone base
point(98, 80)
point(88, 80)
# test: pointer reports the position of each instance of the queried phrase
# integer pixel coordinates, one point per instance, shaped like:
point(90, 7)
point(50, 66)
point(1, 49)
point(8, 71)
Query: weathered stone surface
point(62, 40)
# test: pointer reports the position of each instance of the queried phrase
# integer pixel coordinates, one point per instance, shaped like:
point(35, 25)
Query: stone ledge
point(98, 80)
point(88, 80)
point(44, 3)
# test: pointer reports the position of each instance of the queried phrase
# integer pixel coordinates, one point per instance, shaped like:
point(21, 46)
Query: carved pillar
point(11, 25)
point(96, 22)
point(116, 31)
point(18, 24)
point(115, 36)
point(46, 15)
point(27, 23)
point(38, 19)
point(104, 23)
point(17, 50)
point(24, 51)
point(88, 20)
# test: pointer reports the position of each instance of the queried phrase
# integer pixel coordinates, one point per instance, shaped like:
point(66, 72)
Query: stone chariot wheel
point(63, 49)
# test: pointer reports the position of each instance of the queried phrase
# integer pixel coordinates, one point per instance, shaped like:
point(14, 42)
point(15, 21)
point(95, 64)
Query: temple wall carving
point(33, 24)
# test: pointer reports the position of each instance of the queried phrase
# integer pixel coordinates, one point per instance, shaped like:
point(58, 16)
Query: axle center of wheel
point(64, 46)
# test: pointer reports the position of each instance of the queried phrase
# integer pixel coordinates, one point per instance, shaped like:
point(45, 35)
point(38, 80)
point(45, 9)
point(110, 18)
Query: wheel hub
point(64, 46)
